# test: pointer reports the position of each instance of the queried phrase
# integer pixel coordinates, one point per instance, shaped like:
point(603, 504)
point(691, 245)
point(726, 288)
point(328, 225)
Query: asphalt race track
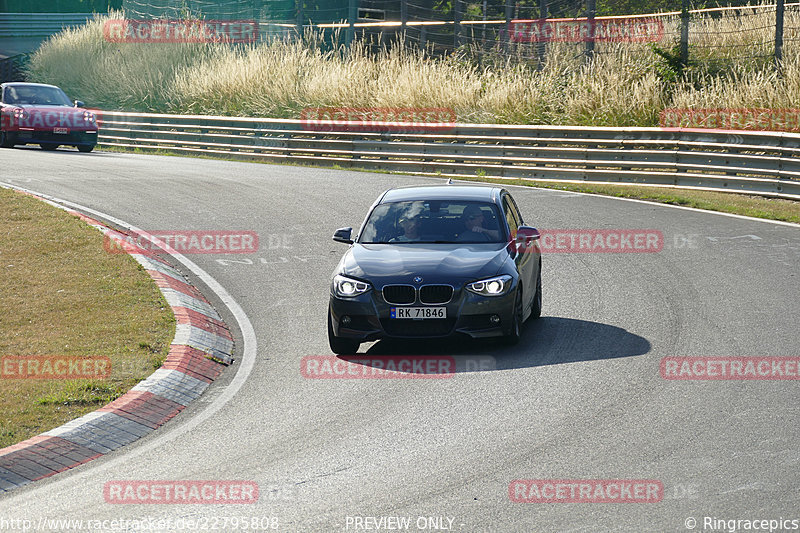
point(580, 398)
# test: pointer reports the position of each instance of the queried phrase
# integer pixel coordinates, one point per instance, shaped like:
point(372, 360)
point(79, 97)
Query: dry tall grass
point(623, 86)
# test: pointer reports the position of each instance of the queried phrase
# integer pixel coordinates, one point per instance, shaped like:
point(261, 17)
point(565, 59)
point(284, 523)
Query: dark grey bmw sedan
point(436, 261)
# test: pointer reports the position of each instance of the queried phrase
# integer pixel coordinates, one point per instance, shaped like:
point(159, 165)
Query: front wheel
point(49, 146)
point(5, 141)
point(84, 148)
point(339, 345)
point(515, 332)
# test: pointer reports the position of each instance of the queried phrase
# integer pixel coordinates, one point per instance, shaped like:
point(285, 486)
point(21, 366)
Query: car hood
point(384, 264)
point(47, 117)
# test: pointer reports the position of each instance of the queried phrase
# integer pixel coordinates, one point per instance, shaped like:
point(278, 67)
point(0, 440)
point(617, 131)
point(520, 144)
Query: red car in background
point(35, 113)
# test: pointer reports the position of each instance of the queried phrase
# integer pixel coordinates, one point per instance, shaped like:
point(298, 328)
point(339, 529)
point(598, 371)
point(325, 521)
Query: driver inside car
point(473, 218)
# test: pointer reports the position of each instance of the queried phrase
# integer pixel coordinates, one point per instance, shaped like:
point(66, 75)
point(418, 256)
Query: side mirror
point(78, 103)
point(343, 235)
point(524, 237)
point(529, 233)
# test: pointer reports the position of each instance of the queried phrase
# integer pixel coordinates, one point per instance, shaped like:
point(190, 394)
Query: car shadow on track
point(547, 341)
point(65, 149)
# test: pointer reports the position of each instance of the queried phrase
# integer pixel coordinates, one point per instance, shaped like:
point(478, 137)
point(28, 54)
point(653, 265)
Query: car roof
point(442, 192)
point(18, 83)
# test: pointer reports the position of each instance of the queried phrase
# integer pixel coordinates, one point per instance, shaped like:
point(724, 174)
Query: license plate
point(418, 312)
point(60, 130)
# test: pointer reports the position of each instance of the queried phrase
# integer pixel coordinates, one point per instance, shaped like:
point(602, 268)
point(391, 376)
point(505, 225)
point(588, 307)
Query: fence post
point(300, 17)
point(684, 34)
point(507, 31)
point(483, 31)
point(456, 23)
point(591, 8)
point(424, 14)
point(403, 18)
point(541, 46)
point(779, 35)
point(352, 14)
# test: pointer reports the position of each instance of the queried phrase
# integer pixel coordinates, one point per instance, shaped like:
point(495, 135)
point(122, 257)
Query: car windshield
point(35, 95)
point(433, 221)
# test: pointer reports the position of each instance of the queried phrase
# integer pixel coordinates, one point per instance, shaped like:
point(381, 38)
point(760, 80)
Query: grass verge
point(63, 295)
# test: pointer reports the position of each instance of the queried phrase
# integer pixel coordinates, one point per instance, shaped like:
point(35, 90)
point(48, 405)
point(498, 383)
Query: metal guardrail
point(761, 163)
point(39, 24)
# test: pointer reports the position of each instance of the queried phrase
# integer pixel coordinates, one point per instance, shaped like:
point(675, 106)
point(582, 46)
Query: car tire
point(515, 332)
point(5, 141)
point(339, 345)
point(85, 149)
point(49, 146)
point(536, 307)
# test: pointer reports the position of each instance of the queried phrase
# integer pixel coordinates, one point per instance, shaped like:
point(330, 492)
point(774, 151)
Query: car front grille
point(399, 294)
point(435, 294)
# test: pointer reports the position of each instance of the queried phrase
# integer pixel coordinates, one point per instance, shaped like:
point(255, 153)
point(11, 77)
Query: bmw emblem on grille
point(417, 279)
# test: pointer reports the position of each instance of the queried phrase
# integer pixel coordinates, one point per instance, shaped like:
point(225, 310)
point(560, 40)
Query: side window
point(513, 204)
point(511, 214)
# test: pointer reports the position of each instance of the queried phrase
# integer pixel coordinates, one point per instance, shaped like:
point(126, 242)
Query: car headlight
point(88, 116)
point(496, 286)
point(345, 287)
point(19, 114)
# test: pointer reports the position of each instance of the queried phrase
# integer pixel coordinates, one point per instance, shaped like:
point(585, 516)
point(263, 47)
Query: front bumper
point(73, 138)
point(467, 314)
